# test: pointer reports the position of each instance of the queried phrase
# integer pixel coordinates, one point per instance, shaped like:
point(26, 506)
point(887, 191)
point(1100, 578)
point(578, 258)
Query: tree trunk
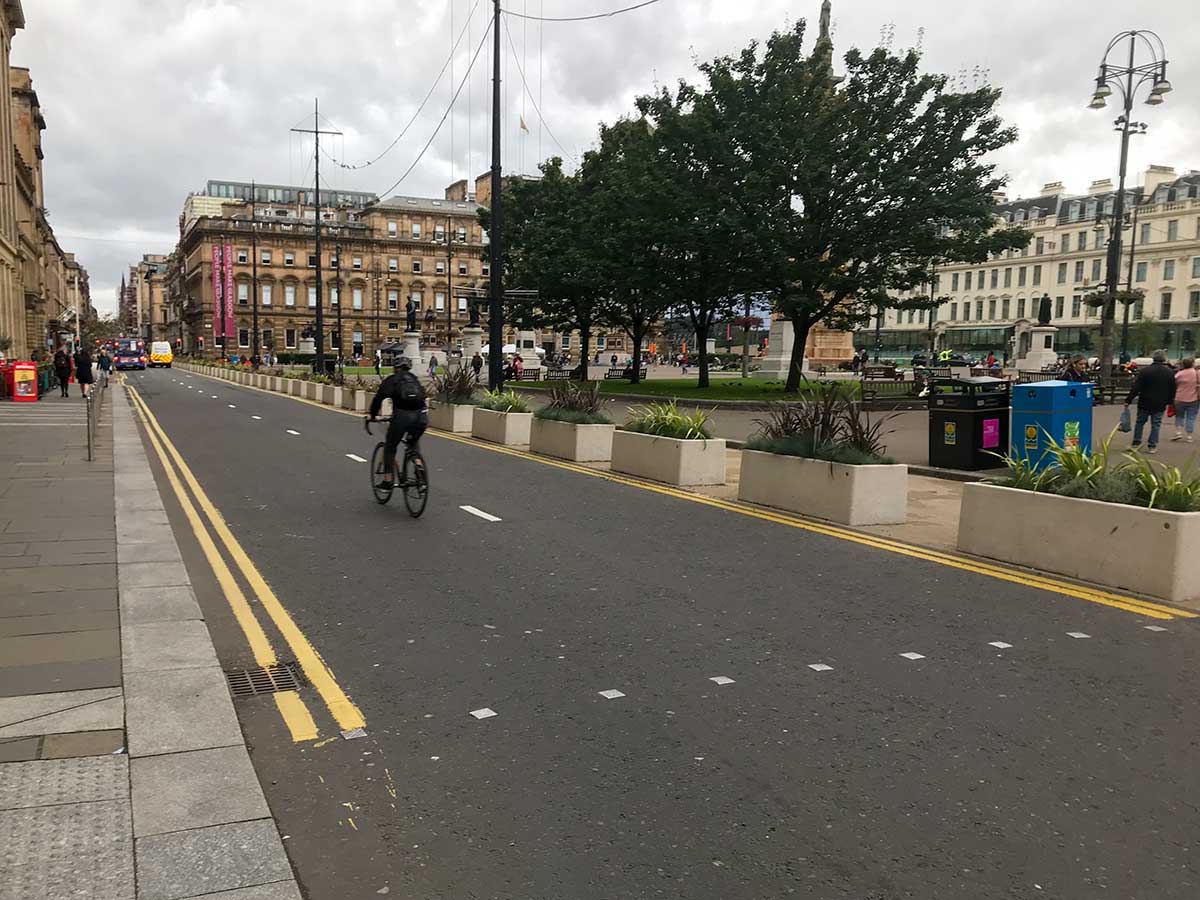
point(800, 329)
point(637, 333)
point(585, 335)
point(702, 330)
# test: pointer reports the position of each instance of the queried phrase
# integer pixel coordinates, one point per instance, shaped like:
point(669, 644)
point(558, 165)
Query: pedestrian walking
point(1187, 399)
point(104, 363)
point(684, 362)
point(477, 365)
point(83, 370)
point(1154, 389)
point(518, 366)
point(433, 365)
point(62, 370)
point(378, 361)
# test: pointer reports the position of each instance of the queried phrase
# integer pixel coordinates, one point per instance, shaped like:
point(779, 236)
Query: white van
point(161, 354)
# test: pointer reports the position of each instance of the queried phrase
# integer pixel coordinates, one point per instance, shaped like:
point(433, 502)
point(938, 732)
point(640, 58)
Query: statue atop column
point(410, 315)
point(473, 311)
point(823, 49)
point(825, 10)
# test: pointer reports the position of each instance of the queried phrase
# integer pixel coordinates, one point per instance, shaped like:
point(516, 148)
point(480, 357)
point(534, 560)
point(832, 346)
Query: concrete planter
point(579, 443)
point(326, 394)
point(852, 495)
point(672, 460)
point(362, 401)
point(1147, 550)
point(274, 383)
point(500, 427)
point(453, 417)
point(294, 386)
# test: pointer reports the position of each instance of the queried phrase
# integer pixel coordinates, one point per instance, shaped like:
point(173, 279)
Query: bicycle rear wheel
point(382, 494)
point(416, 483)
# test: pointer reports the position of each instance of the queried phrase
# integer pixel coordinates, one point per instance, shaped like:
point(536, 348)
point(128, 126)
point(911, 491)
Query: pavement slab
point(54, 781)
point(159, 604)
point(152, 574)
point(56, 623)
point(208, 860)
point(277, 890)
point(159, 551)
point(183, 709)
point(61, 712)
point(167, 645)
point(194, 790)
point(56, 677)
point(96, 600)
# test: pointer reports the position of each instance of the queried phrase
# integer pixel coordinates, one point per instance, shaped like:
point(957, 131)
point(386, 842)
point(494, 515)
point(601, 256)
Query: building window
point(1059, 304)
point(486, 270)
point(1082, 240)
point(289, 337)
point(357, 338)
point(600, 342)
point(1039, 246)
point(416, 299)
point(1079, 270)
point(1076, 303)
point(911, 315)
point(393, 264)
point(1008, 278)
point(266, 295)
point(356, 262)
point(289, 259)
point(566, 342)
point(243, 337)
point(1037, 275)
point(392, 230)
point(334, 262)
point(980, 281)
point(289, 295)
point(416, 267)
point(920, 317)
point(312, 260)
point(1141, 272)
point(954, 282)
point(393, 300)
point(1062, 273)
point(1168, 269)
point(1144, 238)
point(462, 268)
point(1139, 308)
point(992, 310)
point(1005, 307)
point(978, 310)
point(967, 311)
point(953, 312)
point(1173, 230)
point(995, 277)
point(1095, 270)
point(967, 281)
point(243, 256)
point(334, 300)
point(1164, 306)
point(1194, 305)
point(312, 298)
point(462, 304)
point(1020, 307)
point(356, 295)
point(335, 340)
point(268, 338)
point(1021, 277)
point(439, 267)
point(265, 257)
point(243, 294)
point(393, 326)
point(439, 232)
point(439, 301)
point(1065, 244)
point(1196, 266)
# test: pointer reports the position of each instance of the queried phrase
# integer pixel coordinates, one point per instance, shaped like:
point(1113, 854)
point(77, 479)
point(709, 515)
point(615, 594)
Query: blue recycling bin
point(1061, 410)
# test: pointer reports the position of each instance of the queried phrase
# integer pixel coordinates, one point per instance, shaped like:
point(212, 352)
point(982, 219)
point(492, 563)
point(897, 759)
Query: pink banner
point(218, 303)
point(230, 325)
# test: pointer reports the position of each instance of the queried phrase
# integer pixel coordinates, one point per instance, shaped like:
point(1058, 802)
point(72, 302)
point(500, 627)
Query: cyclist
point(409, 416)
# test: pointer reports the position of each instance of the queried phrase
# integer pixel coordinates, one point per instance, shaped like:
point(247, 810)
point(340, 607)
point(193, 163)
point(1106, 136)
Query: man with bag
point(1154, 388)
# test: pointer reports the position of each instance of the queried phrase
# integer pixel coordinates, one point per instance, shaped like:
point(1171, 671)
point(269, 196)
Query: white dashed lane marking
point(999, 645)
point(1077, 634)
point(355, 457)
point(289, 431)
point(257, 417)
point(478, 512)
point(1155, 628)
point(231, 406)
point(911, 655)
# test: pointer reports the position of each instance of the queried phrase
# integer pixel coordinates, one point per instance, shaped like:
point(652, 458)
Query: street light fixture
point(1126, 78)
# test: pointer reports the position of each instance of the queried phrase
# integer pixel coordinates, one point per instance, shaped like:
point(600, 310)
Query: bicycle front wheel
point(416, 483)
point(382, 492)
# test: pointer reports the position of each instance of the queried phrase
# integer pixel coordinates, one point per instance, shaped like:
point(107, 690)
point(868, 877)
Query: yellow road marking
point(299, 721)
point(295, 714)
point(967, 564)
point(343, 710)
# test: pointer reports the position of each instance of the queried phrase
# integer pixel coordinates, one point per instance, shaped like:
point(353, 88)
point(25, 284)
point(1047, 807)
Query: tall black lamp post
point(1126, 77)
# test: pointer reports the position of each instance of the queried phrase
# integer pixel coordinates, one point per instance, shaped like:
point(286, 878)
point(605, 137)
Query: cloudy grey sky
point(147, 99)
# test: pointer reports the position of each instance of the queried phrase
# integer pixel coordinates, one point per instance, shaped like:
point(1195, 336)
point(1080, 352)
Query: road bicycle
point(410, 475)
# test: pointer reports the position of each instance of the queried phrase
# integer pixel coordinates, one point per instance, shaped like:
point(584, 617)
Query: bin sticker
point(1031, 437)
point(1071, 435)
point(950, 435)
point(991, 433)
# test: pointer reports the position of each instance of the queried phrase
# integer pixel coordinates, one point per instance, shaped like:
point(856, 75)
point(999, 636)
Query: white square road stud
point(611, 694)
point(911, 655)
point(484, 713)
point(721, 679)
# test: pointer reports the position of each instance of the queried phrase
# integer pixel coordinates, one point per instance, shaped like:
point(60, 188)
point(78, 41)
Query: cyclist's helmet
point(402, 362)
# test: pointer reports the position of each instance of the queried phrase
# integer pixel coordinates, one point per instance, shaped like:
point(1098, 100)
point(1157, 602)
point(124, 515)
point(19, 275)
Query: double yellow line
point(291, 707)
point(998, 571)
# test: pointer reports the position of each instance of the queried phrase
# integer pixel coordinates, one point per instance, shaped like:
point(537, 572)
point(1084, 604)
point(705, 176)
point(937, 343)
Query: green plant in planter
point(665, 420)
point(504, 401)
point(1165, 487)
point(828, 424)
point(455, 387)
point(578, 403)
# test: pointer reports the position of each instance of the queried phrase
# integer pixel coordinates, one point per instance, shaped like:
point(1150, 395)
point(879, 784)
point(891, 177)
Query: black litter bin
point(968, 422)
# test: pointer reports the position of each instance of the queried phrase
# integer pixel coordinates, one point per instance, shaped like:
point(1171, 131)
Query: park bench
point(558, 374)
point(526, 375)
point(617, 373)
point(1112, 389)
point(879, 373)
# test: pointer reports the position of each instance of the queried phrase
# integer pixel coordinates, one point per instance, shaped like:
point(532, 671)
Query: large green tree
point(857, 189)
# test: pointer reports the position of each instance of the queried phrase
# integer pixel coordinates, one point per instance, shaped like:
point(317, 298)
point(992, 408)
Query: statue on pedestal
point(1044, 310)
point(473, 311)
point(410, 315)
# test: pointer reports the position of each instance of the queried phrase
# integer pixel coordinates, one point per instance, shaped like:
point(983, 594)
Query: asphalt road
point(1057, 767)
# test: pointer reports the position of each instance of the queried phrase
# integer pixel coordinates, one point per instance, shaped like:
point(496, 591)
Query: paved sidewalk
point(123, 772)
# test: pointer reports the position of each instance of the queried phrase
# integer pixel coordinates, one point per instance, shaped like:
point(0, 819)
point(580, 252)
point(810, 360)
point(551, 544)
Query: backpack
point(409, 393)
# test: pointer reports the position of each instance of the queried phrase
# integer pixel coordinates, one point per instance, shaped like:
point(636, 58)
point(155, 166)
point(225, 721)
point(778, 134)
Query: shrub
point(665, 420)
point(454, 387)
point(504, 401)
point(803, 446)
point(828, 423)
point(578, 403)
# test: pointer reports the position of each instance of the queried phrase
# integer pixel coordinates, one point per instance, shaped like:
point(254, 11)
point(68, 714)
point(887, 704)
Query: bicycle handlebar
point(367, 422)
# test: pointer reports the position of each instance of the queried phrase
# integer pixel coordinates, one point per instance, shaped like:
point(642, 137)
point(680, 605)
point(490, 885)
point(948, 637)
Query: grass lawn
point(722, 389)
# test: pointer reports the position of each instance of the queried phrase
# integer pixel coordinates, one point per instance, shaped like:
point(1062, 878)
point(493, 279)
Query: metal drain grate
point(264, 680)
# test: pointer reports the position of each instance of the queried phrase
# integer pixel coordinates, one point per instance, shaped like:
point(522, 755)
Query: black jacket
point(1154, 388)
point(391, 389)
